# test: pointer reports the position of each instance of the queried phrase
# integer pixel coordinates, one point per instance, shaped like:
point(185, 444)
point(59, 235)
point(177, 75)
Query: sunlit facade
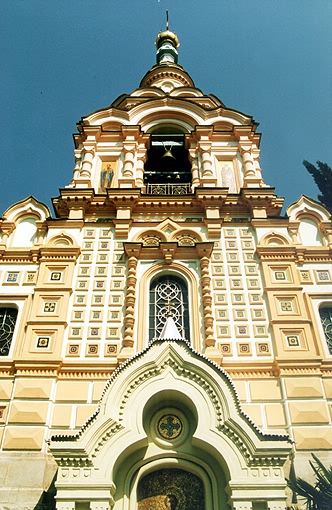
point(165, 337)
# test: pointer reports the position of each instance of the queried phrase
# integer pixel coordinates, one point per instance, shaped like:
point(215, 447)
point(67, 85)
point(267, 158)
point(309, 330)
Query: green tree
point(319, 495)
point(322, 175)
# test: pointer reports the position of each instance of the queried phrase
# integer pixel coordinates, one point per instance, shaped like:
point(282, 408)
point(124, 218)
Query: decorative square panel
point(84, 271)
point(217, 270)
point(118, 270)
point(323, 276)
point(222, 314)
point(236, 283)
point(247, 245)
point(238, 298)
point(86, 257)
point(73, 350)
point(220, 298)
point(104, 245)
point(244, 349)
point(116, 299)
point(257, 314)
point(89, 232)
point(248, 256)
point(102, 257)
point(255, 298)
point(234, 270)
point(250, 269)
point(239, 314)
point(305, 276)
point(232, 257)
point(218, 283)
point(225, 349)
point(80, 299)
point(94, 332)
point(231, 245)
point(105, 232)
point(101, 270)
point(113, 315)
point(242, 330)
point(49, 306)
point(217, 256)
point(77, 315)
point(263, 348)
point(43, 342)
point(117, 284)
point(96, 315)
point(82, 284)
point(293, 340)
point(223, 331)
point(119, 257)
point(88, 246)
point(280, 276)
point(75, 332)
point(260, 331)
point(12, 277)
point(111, 350)
point(286, 306)
point(56, 276)
point(229, 232)
point(97, 299)
point(99, 284)
point(113, 332)
point(245, 232)
point(30, 277)
point(252, 283)
point(92, 350)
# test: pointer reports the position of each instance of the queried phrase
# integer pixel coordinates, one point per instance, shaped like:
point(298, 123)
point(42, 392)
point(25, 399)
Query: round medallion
point(169, 426)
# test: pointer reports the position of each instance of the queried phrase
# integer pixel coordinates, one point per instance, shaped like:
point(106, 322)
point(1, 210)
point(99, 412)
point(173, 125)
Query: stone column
point(210, 343)
point(141, 158)
point(248, 163)
point(195, 180)
point(132, 252)
point(128, 165)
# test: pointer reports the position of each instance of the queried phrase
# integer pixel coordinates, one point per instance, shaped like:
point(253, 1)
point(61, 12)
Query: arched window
point(168, 297)
point(325, 313)
point(8, 318)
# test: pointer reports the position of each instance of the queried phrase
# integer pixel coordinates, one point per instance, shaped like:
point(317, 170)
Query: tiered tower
point(165, 338)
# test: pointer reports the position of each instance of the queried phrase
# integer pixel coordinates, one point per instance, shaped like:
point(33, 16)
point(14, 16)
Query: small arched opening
point(167, 170)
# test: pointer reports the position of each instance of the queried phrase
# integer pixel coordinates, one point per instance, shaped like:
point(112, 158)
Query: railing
point(169, 189)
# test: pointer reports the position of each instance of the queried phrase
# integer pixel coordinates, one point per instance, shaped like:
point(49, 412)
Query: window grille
point(8, 318)
point(326, 318)
point(168, 297)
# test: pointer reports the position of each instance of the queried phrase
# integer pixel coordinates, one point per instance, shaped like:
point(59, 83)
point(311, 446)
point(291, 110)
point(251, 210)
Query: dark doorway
point(170, 489)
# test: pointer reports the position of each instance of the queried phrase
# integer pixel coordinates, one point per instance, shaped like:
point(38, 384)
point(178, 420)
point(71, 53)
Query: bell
point(168, 154)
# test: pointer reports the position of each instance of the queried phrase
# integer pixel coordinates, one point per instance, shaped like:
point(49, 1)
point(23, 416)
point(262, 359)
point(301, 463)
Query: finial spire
point(167, 44)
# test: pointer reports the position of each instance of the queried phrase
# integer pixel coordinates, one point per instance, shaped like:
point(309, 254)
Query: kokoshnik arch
point(165, 338)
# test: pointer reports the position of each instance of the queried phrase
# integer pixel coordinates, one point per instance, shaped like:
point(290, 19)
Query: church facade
point(165, 338)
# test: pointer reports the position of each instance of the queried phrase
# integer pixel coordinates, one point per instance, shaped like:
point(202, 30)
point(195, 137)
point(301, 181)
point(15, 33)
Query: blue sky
point(63, 59)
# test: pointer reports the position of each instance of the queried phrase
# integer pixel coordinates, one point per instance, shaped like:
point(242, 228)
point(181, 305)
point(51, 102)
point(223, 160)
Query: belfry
point(165, 336)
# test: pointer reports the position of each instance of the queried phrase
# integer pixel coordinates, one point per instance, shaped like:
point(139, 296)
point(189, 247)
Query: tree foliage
point(322, 175)
point(319, 495)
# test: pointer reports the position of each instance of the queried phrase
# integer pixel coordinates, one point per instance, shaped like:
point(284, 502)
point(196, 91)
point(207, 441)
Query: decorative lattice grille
point(168, 297)
point(326, 318)
point(8, 318)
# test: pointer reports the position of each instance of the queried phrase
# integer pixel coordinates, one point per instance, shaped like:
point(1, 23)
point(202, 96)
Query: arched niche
point(24, 234)
point(123, 442)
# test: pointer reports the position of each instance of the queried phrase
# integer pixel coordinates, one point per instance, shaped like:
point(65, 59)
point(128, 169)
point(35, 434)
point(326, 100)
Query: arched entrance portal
point(170, 489)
